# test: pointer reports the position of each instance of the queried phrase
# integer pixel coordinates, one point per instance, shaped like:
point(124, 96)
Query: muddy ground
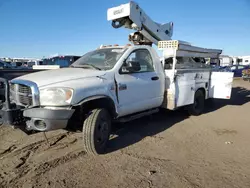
point(168, 150)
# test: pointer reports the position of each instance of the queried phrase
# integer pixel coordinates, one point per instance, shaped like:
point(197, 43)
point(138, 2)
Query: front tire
point(199, 103)
point(96, 131)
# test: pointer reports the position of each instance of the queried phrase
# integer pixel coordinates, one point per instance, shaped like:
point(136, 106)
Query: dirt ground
point(169, 149)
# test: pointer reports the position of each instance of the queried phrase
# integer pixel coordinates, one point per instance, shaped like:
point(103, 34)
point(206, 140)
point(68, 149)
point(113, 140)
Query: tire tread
point(89, 131)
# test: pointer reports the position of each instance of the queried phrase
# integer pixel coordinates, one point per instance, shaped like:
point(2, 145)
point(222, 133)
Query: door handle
point(155, 78)
point(122, 87)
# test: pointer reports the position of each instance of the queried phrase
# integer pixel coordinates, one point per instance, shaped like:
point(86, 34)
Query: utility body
point(115, 83)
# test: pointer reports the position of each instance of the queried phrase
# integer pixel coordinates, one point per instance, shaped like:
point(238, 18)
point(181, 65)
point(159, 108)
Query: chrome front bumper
point(41, 119)
point(34, 118)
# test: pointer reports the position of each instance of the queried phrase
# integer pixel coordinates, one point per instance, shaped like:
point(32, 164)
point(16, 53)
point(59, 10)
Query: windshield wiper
point(87, 65)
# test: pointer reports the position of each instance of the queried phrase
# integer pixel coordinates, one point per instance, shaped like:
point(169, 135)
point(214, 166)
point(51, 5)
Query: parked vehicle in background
point(244, 60)
point(236, 69)
point(32, 63)
point(9, 71)
point(20, 68)
point(4, 65)
point(17, 64)
point(226, 60)
point(246, 74)
point(62, 61)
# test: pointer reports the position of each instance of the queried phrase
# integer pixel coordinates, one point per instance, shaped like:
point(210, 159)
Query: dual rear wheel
point(199, 104)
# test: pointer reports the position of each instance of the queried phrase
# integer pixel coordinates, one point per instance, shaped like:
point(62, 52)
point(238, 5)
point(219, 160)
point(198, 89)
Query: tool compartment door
point(184, 88)
point(220, 86)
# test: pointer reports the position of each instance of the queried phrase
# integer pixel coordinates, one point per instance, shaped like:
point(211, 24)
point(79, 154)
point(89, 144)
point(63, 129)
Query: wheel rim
point(196, 104)
point(102, 132)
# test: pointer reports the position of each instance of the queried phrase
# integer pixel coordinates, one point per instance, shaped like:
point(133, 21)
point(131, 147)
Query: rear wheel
point(96, 131)
point(199, 103)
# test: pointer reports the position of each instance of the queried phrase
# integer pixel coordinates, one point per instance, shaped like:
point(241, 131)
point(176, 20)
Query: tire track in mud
point(44, 167)
point(10, 175)
point(58, 140)
point(15, 150)
point(8, 150)
point(39, 169)
point(24, 159)
point(162, 162)
point(147, 158)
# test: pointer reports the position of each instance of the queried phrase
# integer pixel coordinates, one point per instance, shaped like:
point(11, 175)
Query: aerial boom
point(131, 16)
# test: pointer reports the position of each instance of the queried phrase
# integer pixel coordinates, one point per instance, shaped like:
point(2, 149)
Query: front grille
point(12, 87)
point(26, 100)
point(24, 89)
point(21, 94)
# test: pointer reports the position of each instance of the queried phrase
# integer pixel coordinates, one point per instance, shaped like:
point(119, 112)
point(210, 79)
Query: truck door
point(220, 86)
point(140, 90)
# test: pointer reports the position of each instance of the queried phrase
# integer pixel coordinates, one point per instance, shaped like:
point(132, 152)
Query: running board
point(137, 116)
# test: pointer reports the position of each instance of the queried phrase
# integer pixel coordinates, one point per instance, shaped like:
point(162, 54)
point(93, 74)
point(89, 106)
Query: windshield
point(102, 59)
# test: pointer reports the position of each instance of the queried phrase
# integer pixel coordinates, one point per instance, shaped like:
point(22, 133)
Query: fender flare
point(96, 97)
point(87, 99)
point(203, 91)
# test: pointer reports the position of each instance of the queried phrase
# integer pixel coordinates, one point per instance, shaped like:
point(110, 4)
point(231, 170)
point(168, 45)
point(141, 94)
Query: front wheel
point(96, 131)
point(199, 103)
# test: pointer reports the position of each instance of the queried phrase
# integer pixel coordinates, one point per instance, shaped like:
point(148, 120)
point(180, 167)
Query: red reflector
point(228, 97)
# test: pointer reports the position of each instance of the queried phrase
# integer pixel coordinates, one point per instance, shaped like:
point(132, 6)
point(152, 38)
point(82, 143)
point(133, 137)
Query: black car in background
point(5, 65)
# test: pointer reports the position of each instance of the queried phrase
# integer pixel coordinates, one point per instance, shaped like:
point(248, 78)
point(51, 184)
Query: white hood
point(44, 78)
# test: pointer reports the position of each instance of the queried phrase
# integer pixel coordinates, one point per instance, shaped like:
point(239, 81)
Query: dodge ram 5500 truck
point(111, 83)
point(116, 83)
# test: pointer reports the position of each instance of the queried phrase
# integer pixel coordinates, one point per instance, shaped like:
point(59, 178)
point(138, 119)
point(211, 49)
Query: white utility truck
point(117, 83)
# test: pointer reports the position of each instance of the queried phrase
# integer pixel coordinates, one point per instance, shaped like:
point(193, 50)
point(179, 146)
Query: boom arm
point(131, 16)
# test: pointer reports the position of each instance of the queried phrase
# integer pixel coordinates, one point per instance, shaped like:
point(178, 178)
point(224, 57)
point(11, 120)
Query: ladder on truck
point(175, 48)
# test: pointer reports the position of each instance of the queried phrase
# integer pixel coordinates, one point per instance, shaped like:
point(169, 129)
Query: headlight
point(55, 96)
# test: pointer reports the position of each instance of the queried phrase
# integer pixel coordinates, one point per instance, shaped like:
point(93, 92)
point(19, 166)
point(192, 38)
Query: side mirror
point(133, 66)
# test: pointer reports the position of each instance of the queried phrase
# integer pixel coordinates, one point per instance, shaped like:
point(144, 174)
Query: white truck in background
point(116, 83)
point(226, 60)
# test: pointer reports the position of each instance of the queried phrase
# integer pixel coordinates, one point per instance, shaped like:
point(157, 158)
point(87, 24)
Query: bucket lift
point(148, 32)
point(131, 16)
